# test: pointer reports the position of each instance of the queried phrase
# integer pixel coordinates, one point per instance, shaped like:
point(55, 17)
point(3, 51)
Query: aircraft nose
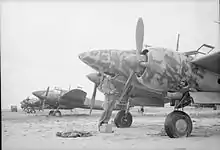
point(38, 93)
point(94, 77)
point(96, 59)
point(82, 56)
point(87, 57)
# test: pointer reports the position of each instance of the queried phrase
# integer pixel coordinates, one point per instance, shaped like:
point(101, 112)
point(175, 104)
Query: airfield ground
point(31, 132)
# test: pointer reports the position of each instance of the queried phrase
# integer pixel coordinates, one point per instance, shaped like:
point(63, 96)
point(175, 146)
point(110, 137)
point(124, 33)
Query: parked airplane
point(161, 71)
point(29, 105)
point(64, 99)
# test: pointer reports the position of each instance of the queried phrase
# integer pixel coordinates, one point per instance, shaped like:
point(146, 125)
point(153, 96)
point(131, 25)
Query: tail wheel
point(123, 120)
point(178, 124)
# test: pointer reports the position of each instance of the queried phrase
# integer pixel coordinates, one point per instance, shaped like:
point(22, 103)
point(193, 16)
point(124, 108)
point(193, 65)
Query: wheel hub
point(124, 120)
point(57, 114)
point(181, 125)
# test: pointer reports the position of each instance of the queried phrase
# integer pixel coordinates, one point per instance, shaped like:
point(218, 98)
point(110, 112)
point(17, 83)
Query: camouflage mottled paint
point(111, 61)
point(164, 70)
point(119, 85)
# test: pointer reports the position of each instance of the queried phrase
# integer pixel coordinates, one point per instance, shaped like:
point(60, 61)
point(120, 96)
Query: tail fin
point(76, 95)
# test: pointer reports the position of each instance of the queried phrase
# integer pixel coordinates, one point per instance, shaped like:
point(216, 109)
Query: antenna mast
point(177, 44)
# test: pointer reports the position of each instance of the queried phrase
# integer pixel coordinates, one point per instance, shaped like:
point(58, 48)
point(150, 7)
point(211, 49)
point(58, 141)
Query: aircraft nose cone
point(82, 56)
point(96, 59)
point(87, 57)
point(94, 77)
point(38, 93)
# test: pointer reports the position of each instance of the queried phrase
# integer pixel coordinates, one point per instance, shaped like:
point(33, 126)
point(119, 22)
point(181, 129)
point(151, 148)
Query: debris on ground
point(161, 133)
point(73, 134)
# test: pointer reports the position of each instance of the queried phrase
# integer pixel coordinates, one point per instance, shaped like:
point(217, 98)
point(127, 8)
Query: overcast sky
point(41, 40)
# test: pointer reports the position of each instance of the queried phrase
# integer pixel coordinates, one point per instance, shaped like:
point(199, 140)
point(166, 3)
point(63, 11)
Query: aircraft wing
point(210, 62)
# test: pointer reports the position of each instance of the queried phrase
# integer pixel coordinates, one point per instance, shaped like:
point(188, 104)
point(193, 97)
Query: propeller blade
point(43, 104)
point(48, 88)
point(139, 36)
point(93, 98)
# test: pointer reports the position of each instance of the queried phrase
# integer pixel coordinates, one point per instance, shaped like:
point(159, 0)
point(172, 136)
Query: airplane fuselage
point(163, 72)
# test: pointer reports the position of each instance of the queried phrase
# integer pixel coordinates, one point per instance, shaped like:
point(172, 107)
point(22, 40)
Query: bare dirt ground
point(31, 132)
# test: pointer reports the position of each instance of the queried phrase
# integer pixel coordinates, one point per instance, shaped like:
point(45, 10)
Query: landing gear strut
point(56, 113)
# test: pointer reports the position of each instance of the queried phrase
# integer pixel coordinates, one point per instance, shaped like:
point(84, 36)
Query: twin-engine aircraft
point(58, 99)
point(179, 76)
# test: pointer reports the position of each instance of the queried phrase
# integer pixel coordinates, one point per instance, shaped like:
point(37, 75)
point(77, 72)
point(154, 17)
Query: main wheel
point(123, 120)
point(28, 110)
point(178, 124)
point(57, 113)
point(51, 113)
point(32, 111)
point(215, 107)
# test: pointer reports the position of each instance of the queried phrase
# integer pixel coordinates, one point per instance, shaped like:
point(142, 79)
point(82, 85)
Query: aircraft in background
point(58, 99)
point(29, 105)
point(161, 71)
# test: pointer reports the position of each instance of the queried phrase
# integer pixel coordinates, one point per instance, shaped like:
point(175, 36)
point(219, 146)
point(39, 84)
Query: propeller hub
point(136, 63)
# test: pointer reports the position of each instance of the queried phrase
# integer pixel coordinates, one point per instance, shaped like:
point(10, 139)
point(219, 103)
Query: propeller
point(135, 62)
point(138, 62)
point(43, 104)
point(92, 103)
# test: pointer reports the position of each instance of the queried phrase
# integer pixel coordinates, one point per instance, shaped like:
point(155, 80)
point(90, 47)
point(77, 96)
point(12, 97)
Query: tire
point(51, 113)
point(172, 122)
point(57, 113)
point(32, 111)
point(123, 120)
point(28, 110)
point(215, 107)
